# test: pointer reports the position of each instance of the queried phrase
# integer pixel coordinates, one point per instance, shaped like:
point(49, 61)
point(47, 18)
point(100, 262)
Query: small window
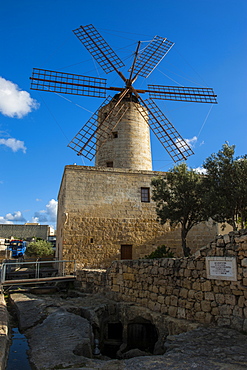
point(145, 195)
point(109, 164)
point(91, 240)
point(114, 134)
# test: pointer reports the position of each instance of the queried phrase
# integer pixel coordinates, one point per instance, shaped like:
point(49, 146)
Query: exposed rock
point(64, 340)
point(136, 352)
point(61, 340)
point(30, 310)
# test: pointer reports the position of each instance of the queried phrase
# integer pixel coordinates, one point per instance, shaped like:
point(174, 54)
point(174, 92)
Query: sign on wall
point(221, 268)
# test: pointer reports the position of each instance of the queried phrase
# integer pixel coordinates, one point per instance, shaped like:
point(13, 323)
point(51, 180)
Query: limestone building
point(106, 212)
point(26, 231)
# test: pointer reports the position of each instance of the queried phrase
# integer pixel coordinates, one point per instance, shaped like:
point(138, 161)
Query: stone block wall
point(128, 146)
point(179, 287)
point(24, 231)
point(100, 209)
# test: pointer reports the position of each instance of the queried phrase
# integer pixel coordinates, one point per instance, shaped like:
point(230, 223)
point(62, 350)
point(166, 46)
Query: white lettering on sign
point(221, 268)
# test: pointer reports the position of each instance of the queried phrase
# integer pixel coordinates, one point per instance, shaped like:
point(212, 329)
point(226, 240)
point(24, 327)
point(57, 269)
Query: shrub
point(40, 248)
point(161, 252)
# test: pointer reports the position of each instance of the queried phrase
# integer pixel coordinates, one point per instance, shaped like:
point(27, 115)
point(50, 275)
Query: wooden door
point(126, 252)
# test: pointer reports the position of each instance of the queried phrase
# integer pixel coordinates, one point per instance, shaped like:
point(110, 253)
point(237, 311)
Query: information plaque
point(221, 268)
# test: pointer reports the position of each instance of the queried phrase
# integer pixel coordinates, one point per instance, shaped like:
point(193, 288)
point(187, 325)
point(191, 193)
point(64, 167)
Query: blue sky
point(35, 127)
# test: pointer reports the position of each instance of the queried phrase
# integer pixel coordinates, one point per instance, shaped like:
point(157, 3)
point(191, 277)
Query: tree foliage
point(39, 248)
point(226, 187)
point(179, 200)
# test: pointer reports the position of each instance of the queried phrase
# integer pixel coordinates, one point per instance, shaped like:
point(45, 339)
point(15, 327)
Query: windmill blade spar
point(67, 83)
point(188, 94)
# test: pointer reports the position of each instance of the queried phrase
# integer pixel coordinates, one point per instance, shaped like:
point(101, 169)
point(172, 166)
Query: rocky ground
point(60, 337)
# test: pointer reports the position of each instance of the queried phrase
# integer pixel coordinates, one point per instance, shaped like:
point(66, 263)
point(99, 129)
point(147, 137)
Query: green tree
point(39, 248)
point(226, 186)
point(179, 200)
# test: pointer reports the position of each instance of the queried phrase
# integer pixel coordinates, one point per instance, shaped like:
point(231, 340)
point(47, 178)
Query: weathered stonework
point(24, 231)
point(100, 209)
point(180, 287)
point(125, 144)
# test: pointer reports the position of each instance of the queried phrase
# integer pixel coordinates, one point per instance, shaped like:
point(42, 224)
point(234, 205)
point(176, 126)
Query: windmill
point(96, 131)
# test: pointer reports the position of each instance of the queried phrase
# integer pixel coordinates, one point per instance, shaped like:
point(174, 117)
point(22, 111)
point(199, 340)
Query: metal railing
point(37, 269)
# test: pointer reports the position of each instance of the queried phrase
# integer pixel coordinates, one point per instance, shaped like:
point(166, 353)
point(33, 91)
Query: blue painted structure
point(18, 248)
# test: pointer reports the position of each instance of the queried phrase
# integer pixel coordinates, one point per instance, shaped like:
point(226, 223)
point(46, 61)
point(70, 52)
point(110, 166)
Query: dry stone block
point(209, 296)
point(220, 298)
point(181, 313)
point(205, 306)
point(172, 311)
point(200, 316)
point(206, 286)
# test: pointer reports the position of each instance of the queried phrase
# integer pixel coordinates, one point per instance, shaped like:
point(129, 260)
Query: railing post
point(36, 269)
point(3, 273)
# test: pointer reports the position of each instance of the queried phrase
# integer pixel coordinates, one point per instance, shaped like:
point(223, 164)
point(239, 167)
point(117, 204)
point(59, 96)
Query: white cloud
point(15, 102)
point(40, 216)
point(191, 142)
point(180, 143)
point(43, 216)
point(201, 170)
point(16, 216)
point(47, 215)
point(52, 210)
point(4, 221)
point(10, 218)
point(14, 144)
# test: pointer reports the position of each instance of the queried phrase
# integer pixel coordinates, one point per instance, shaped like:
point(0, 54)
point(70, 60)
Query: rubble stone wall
point(179, 287)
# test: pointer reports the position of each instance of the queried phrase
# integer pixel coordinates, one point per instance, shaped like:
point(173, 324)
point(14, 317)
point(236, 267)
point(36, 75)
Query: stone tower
point(128, 144)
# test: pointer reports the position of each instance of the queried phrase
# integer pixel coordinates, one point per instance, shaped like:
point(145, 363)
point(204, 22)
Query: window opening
point(109, 164)
point(145, 195)
point(114, 134)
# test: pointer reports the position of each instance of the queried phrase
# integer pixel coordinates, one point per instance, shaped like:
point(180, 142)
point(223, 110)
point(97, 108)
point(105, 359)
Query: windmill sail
point(97, 130)
point(67, 83)
point(178, 93)
point(98, 48)
point(166, 133)
point(152, 56)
